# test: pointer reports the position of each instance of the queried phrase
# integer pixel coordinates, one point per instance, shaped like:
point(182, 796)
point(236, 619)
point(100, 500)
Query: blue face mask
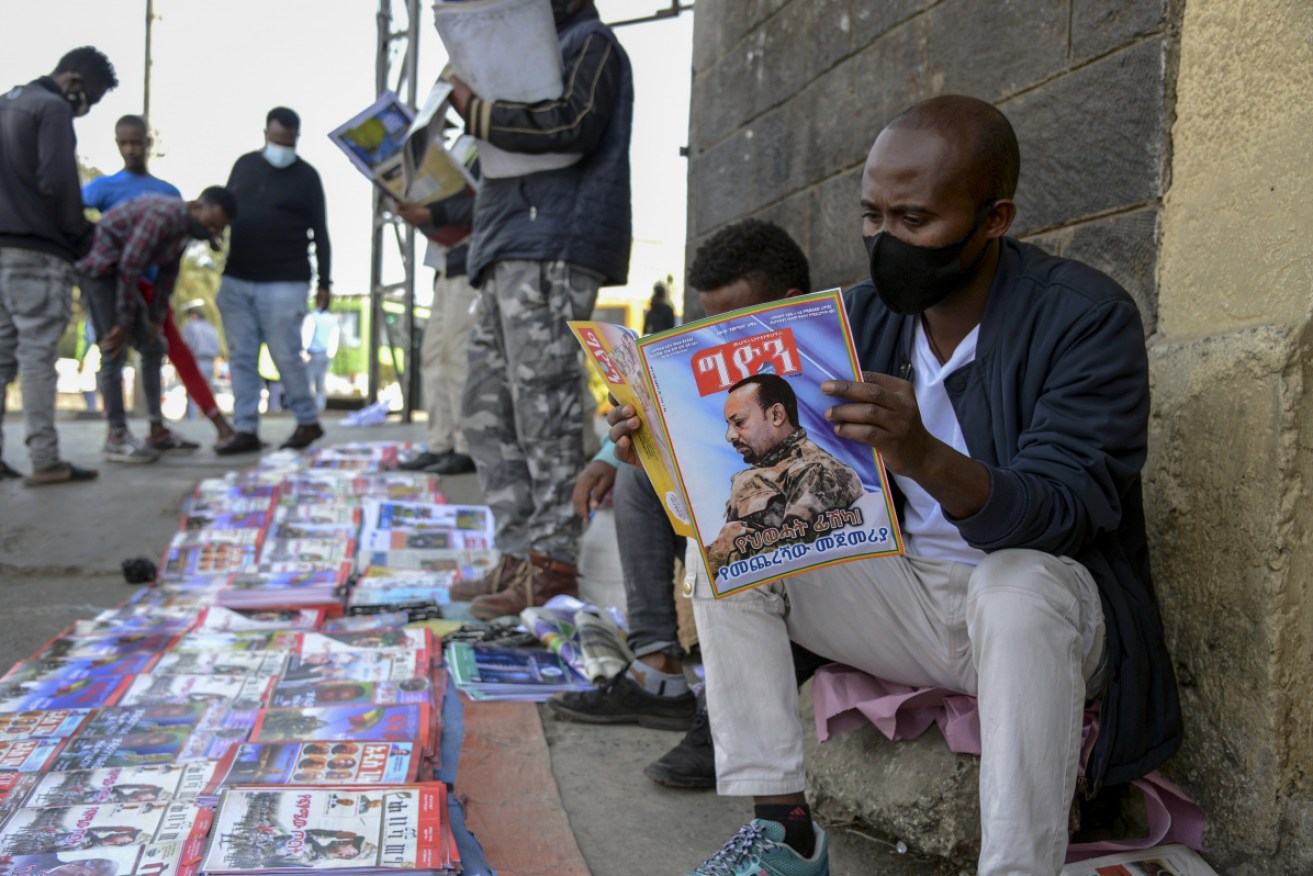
point(279, 156)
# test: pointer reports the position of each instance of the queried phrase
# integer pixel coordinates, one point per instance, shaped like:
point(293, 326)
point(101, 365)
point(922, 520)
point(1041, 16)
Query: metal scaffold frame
point(396, 68)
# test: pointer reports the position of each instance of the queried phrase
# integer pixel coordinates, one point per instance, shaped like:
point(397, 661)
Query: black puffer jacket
point(40, 195)
point(1056, 406)
point(579, 214)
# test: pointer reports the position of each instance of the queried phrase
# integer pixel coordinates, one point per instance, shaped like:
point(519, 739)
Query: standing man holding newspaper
point(543, 242)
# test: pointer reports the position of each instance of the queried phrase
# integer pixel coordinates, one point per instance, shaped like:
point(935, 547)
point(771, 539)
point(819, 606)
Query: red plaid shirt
point(131, 237)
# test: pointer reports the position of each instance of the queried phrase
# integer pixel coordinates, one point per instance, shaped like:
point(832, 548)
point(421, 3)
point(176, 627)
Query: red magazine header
point(719, 368)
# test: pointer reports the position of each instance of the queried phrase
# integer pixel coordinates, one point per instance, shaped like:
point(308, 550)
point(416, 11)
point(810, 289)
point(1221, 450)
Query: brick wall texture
point(788, 96)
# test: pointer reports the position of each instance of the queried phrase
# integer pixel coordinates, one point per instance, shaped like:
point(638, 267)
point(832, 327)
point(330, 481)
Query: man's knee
point(1020, 587)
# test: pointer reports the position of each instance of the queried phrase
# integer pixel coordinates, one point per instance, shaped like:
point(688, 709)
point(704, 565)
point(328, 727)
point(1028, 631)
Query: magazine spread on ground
point(1168, 860)
point(293, 830)
point(767, 488)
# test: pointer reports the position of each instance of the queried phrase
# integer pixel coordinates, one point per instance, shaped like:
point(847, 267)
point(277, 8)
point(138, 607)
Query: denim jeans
point(316, 372)
point(100, 294)
point(265, 313)
point(36, 299)
point(1023, 632)
point(648, 548)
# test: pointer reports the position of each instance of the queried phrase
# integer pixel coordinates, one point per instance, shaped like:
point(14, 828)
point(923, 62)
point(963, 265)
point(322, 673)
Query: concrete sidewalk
point(60, 550)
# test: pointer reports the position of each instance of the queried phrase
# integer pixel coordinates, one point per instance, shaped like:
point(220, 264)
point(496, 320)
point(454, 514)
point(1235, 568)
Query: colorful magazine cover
point(15, 789)
point(244, 692)
point(293, 694)
point(612, 352)
point(266, 663)
point(30, 755)
point(360, 664)
point(408, 722)
point(174, 857)
point(72, 647)
point(230, 520)
point(769, 489)
point(381, 514)
point(319, 763)
point(208, 559)
point(141, 784)
point(44, 723)
point(218, 619)
point(328, 643)
point(73, 669)
point(84, 693)
point(275, 830)
point(118, 837)
point(305, 554)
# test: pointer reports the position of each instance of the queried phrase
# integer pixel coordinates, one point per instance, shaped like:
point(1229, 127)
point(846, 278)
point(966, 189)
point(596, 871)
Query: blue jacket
point(1056, 406)
point(579, 214)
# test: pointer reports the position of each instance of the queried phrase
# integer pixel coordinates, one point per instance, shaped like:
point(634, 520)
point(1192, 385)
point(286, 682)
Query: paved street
point(60, 550)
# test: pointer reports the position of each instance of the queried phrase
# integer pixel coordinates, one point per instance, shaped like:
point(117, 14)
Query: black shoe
point(425, 462)
point(691, 763)
point(624, 702)
point(240, 442)
point(305, 435)
point(452, 464)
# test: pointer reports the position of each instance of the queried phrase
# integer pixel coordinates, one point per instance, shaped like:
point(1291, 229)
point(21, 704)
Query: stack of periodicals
point(487, 672)
point(237, 669)
point(411, 552)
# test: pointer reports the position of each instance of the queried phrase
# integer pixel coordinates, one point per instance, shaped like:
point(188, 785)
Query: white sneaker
point(124, 447)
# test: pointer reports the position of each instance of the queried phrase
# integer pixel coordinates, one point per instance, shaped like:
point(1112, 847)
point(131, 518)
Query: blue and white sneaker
point(758, 849)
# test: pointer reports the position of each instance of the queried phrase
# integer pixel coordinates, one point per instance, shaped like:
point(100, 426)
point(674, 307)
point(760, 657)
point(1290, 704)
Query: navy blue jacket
point(1056, 406)
point(579, 214)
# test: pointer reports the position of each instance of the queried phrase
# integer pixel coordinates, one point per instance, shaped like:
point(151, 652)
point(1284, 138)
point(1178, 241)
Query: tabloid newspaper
point(766, 492)
point(275, 830)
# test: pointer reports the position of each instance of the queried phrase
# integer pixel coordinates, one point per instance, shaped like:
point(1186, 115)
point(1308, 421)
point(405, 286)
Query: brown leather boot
point(547, 578)
point(497, 579)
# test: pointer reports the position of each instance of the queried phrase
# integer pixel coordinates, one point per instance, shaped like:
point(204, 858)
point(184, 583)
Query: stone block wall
point(788, 96)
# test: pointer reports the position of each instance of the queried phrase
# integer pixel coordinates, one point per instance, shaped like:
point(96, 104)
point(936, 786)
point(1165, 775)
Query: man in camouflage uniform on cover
point(791, 479)
point(542, 244)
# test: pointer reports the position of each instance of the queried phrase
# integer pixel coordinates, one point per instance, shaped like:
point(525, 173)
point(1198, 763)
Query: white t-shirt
point(926, 532)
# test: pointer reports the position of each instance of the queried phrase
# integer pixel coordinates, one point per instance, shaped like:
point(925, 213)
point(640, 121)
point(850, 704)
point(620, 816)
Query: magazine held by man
point(736, 442)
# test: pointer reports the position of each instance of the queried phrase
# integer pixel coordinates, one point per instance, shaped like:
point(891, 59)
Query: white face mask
point(279, 156)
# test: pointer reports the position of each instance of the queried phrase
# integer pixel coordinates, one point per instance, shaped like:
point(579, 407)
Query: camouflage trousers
point(523, 402)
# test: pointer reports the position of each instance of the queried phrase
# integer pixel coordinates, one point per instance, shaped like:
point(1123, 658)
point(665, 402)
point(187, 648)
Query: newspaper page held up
point(505, 50)
point(373, 140)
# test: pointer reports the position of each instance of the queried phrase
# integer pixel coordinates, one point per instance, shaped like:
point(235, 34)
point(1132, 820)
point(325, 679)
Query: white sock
point(656, 682)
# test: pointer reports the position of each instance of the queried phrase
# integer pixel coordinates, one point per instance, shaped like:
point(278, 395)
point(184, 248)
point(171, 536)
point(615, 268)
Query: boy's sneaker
point(168, 442)
point(623, 701)
point(758, 849)
point(691, 763)
point(124, 447)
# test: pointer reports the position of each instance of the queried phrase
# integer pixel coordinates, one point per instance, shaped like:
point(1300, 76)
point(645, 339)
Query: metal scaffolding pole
point(397, 58)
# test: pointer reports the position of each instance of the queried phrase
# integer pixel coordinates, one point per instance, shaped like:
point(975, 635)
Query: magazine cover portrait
point(772, 490)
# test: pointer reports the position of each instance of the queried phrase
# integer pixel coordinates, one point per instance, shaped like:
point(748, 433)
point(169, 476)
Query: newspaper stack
point(486, 672)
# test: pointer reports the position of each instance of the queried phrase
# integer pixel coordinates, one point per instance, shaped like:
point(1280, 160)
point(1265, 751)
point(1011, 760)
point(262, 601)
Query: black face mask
point(912, 279)
point(78, 101)
point(199, 230)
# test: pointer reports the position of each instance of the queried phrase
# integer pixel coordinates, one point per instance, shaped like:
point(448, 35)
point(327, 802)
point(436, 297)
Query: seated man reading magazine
point(1008, 393)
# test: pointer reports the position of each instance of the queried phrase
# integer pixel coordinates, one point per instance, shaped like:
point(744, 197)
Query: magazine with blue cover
point(768, 488)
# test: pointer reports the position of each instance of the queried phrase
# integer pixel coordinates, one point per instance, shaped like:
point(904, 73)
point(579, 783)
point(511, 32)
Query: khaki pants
point(444, 361)
point(1023, 632)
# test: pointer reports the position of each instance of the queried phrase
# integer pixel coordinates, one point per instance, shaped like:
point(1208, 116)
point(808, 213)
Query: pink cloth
point(845, 699)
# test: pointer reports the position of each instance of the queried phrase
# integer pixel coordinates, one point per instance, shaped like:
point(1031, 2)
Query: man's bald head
point(983, 132)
